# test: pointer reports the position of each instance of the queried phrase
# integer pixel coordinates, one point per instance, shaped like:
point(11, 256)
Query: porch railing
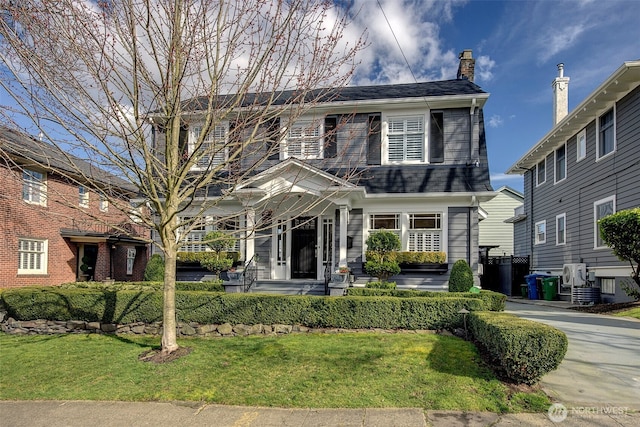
point(250, 273)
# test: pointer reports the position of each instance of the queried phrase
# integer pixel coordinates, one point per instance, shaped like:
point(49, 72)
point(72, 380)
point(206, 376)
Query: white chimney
point(560, 87)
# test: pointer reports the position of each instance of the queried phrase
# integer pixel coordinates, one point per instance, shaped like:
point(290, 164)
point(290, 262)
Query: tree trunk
point(169, 335)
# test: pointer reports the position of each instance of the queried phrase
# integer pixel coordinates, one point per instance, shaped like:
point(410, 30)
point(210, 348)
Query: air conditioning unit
point(574, 274)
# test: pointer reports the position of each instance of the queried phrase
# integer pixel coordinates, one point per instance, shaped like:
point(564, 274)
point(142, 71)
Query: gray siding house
point(410, 158)
point(586, 167)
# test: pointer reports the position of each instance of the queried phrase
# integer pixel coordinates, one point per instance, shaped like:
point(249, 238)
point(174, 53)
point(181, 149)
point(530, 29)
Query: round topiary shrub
point(155, 269)
point(461, 278)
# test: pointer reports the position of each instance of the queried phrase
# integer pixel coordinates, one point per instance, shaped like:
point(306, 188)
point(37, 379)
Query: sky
point(517, 46)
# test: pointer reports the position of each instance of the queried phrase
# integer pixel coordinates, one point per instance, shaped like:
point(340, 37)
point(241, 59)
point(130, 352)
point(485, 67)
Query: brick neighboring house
point(52, 225)
point(409, 158)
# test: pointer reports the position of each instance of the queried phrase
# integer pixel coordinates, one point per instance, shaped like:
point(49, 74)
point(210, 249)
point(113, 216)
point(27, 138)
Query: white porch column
point(344, 221)
point(249, 244)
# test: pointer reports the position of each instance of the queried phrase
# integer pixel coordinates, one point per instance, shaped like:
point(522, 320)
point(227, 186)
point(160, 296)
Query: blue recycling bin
point(532, 285)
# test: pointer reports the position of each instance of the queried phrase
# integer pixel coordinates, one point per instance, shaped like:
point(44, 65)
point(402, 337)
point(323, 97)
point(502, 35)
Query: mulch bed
point(157, 356)
point(610, 308)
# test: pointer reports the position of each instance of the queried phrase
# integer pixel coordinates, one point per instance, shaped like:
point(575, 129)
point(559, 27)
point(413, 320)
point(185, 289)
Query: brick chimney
point(466, 66)
point(560, 87)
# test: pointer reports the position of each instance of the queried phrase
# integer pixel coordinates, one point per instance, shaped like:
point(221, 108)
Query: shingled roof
point(352, 93)
point(28, 151)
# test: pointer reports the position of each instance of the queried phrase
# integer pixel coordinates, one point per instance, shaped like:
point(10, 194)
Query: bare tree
point(123, 78)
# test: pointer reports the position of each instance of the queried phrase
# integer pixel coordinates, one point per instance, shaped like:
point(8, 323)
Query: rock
point(256, 329)
point(108, 327)
point(241, 329)
point(93, 326)
point(225, 329)
point(186, 329)
point(300, 328)
point(138, 329)
point(207, 329)
point(75, 324)
point(282, 329)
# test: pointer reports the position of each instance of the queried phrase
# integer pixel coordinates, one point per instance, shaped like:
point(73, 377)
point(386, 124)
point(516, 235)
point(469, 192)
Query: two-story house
point(586, 167)
point(55, 229)
point(410, 158)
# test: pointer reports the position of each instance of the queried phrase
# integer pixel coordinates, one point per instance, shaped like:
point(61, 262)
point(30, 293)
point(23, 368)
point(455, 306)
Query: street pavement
point(597, 384)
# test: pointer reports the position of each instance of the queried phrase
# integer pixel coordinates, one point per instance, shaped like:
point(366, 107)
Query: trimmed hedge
point(494, 301)
point(212, 286)
point(215, 308)
point(522, 349)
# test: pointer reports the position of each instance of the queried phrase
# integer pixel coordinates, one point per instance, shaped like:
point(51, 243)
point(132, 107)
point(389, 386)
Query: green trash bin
point(550, 288)
point(524, 290)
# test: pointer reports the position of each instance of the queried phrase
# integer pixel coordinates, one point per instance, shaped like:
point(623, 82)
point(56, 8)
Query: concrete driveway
point(602, 366)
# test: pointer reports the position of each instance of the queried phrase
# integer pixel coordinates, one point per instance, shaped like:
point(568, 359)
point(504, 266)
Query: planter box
point(427, 267)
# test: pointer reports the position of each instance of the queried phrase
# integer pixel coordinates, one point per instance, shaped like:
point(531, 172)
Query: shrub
point(210, 286)
point(216, 262)
point(215, 308)
point(621, 231)
point(381, 285)
point(381, 255)
point(493, 301)
point(195, 257)
point(219, 241)
point(154, 272)
point(461, 278)
point(523, 350)
point(422, 257)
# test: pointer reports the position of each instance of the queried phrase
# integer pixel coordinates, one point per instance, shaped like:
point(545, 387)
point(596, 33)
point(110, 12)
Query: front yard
point(347, 370)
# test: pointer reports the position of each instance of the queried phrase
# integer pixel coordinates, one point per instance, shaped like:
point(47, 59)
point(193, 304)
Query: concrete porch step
point(288, 287)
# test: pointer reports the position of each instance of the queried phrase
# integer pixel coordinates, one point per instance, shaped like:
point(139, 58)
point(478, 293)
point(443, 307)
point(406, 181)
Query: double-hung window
point(581, 145)
point(195, 230)
point(425, 232)
point(304, 140)
point(541, 232)
point(83, 196)
point(601, 208)
point(606, 133)
point(389, 222)
point(541, 172)
point(406, 139)
point(561, 229)
point(212, 150)
point(560, 164)
point(32, 256)
point(33, 187)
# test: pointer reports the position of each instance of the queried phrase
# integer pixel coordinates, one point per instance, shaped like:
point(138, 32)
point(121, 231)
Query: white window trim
point(404, 226)
point(564, 217)
point(596, 229)
point(615, 142)
point(43, 261)
point(555, 163)
point(582, 136)
point(191, 143)
point(284, 152)
point(539, 183)
point(103, 204)
point(42, 187)
point(83, 196)
point(384, 136)
point(535, 230)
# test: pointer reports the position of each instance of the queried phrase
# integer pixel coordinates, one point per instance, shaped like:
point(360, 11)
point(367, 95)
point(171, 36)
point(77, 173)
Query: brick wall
point(19, 219)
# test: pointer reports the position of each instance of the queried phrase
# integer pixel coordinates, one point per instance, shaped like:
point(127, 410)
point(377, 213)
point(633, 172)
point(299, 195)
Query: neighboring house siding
point(493, 230)
point(520, 241)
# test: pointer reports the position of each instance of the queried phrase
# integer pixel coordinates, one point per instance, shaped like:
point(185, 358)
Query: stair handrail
point(250, 273)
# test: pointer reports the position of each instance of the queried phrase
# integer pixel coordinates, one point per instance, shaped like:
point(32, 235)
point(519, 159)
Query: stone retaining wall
point(49, 327)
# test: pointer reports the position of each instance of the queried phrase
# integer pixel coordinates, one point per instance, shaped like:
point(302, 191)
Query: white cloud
point(496, 121)
point(554, 42)
point(484, 65)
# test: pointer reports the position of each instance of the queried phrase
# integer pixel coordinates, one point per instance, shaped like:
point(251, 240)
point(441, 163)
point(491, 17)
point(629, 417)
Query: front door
point(303, 248)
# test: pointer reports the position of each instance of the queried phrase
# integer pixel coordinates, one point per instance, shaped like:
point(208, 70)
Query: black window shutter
point(436, 138)
point(330, 137)
point(273, 139)
point(374, 152)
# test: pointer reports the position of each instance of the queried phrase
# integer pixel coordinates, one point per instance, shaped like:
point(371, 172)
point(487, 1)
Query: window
point(197, 228)
point(436, 137)
point(425, 232)
point(608, 285)
point(104, 203)
point(581, 143)
point(560, 164)
point(606, 134)
point(83, 197)
point(131, 258)
point(32, 256)
point(541, 172)
point(406, 139)
point(389, 222)
point(304, 140)
point(33, 187)
point(561, 229)
point(212, 152)
point(541, 232)
point(601, 208)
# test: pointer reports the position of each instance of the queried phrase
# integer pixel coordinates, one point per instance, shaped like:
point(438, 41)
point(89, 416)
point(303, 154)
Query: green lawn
point(634, 312)
point(299, 370)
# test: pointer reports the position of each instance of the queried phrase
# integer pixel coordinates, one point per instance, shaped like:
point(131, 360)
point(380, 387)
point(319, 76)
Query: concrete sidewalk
point(117, 414)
